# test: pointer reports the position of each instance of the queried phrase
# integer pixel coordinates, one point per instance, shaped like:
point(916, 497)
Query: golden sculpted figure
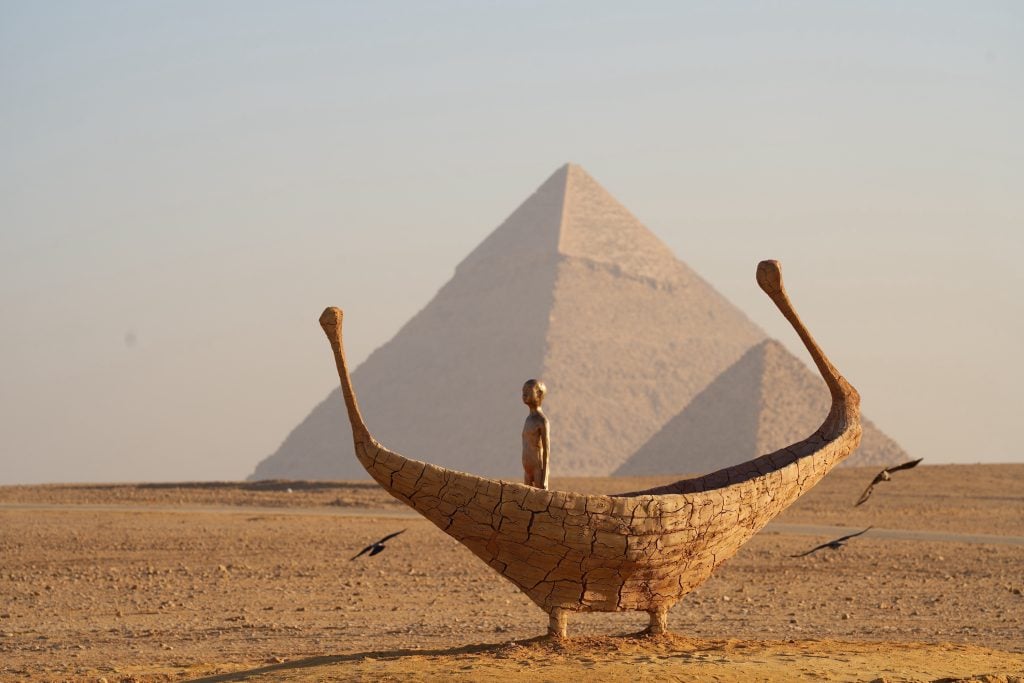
point(536, 437)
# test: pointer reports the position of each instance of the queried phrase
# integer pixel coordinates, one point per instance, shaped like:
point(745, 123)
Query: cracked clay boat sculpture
point(637, 551)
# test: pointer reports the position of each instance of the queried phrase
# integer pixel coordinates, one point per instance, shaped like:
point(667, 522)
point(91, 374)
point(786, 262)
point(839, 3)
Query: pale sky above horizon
point(185, 186)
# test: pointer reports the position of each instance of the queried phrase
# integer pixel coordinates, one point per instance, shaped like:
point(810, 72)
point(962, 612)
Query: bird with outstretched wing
point(834, 545)
point(377, 547)
point(884, 476)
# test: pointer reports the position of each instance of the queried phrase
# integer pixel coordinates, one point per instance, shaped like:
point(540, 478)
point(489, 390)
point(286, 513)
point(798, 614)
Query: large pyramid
point(767, 400)
point(571, 288)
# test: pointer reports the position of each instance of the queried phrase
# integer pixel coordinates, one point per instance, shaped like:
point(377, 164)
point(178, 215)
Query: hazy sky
point(184, 186)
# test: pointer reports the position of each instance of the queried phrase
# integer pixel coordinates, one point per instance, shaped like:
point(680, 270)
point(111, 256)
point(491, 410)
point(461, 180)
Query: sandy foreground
point(239, 581)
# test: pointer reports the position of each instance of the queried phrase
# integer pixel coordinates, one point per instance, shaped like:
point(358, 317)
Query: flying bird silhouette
point(884, 476)
point(377, 547)
point(834, 545)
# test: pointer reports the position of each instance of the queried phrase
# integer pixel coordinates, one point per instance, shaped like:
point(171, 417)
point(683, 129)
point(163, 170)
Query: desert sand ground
point(240, 581)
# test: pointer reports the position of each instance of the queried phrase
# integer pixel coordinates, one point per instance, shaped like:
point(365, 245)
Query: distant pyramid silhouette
point(767, 400)
point(571, 288)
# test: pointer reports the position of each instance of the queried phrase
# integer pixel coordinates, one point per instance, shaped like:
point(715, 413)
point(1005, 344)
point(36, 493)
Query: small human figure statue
point(536, 436)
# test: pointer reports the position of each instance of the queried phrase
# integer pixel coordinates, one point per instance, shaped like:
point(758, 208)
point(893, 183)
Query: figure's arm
point(545, 442)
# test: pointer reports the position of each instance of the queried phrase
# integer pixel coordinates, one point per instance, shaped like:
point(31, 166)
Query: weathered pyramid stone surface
point(571, 288)
point(765, 401)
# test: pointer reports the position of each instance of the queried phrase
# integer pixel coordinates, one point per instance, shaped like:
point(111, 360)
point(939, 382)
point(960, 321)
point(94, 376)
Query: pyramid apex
point(771, 345)
point(572, 216)
point(772, 357)
point(574, 169)
point(597, 228)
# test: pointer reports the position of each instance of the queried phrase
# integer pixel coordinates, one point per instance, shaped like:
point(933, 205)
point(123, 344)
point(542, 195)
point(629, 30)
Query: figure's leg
point(528, 476)
point(659, 621)
point(558, 619)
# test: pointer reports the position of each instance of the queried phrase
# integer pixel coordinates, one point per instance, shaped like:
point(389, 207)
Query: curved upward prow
point(845, 399)
point(331, 320)
point(833, 441)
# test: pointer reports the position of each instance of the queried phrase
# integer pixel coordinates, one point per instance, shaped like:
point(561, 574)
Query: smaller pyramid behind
point(766, 400)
